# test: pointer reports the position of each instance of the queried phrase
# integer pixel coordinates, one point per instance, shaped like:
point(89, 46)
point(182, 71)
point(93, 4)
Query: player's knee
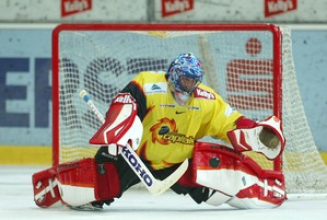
point(85, 181)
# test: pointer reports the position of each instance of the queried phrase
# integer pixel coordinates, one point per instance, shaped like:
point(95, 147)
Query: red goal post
point(247, 64)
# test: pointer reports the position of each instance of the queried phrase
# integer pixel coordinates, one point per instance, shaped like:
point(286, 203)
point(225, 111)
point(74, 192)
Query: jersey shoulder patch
point(204, 94)
point(155, 87)
point(154, 82)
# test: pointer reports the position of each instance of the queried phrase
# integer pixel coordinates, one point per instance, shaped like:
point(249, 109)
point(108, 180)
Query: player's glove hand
point(269, 138)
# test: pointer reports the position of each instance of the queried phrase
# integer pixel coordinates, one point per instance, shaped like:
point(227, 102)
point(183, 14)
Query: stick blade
point(163, 185)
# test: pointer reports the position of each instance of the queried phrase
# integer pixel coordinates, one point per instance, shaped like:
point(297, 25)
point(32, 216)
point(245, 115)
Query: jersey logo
point(195, 108)
point(155, 87)
point(125, 98)
point(200, 93)
point(167, 105)
point(165, 132)
point(150, 88)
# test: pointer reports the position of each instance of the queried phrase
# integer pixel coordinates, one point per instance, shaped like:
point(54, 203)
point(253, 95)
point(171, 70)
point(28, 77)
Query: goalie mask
point(184, 75)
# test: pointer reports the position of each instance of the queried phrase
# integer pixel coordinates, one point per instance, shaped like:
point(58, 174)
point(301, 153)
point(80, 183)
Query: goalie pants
point(128, 178)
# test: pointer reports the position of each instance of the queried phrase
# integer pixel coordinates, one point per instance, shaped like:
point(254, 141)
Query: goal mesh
point(249, 65)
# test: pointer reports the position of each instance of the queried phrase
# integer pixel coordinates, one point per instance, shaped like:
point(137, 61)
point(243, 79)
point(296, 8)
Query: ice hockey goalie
point(163, 115)
point(216, 175)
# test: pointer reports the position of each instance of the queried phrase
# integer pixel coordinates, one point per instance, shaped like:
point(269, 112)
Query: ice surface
point(16, 202)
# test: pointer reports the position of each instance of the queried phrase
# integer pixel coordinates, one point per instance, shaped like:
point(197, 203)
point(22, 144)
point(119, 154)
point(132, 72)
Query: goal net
point(249, 65)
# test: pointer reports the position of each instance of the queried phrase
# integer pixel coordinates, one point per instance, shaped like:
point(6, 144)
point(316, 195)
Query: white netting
point(304, 169)
point(239, 65)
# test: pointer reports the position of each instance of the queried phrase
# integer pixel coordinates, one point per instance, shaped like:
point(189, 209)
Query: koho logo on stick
point(275, 7)
point(69, 7)
point(171, 7)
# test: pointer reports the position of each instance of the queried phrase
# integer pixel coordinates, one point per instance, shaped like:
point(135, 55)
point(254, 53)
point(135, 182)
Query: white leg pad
point(250, 203)
point(228, 181)
point(76, 195)
point(84, 181)
point(238, 180)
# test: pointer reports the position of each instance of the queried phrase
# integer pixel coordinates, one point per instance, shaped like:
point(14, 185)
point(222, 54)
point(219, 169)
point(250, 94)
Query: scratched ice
point(16, 202)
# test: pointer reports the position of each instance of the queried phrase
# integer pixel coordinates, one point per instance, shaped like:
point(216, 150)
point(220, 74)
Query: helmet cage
point(185, 65)
point(180, 73)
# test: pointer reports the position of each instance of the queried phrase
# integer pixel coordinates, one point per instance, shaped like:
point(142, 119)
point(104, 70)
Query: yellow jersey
point(169, 129)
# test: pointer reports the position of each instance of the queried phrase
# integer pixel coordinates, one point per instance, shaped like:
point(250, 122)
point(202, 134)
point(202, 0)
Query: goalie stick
point(153, 185)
